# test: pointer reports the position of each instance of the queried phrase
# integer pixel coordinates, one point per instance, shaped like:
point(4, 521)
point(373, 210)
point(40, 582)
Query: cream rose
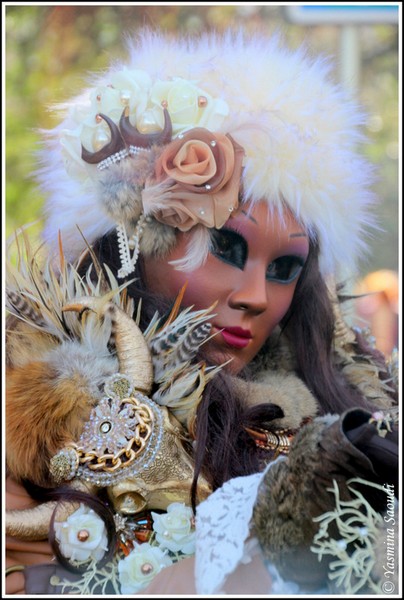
point(140, 566)
point(175, 529)
point(126, 88)
point(82, 536)
point(188, 105)
point(134, 86)
point(201, 173)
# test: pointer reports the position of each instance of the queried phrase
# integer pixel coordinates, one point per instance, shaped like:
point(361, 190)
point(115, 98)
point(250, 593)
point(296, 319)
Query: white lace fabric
point(223, 529)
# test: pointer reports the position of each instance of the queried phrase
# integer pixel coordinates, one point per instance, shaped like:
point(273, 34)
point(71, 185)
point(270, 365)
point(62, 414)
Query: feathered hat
point(187, 129)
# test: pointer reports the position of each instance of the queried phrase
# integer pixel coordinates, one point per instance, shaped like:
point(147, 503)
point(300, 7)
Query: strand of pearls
point(128, 262)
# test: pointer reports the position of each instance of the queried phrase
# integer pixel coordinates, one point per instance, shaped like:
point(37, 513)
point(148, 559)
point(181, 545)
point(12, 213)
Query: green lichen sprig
point(358, 525)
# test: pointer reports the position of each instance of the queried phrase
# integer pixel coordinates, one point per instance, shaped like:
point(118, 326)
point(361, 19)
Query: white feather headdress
point(299, 132)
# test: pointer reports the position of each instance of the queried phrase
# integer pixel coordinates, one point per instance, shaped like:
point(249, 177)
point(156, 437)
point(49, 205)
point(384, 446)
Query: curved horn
point(131, 135)
point(115, 145)
point(32, 524)
point(133, 352)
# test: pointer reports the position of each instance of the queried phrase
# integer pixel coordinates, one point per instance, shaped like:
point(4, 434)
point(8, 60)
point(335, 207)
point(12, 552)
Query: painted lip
point(236, 337)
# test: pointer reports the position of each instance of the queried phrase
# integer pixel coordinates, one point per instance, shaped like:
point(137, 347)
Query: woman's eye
point(230, 247)
point(285, 269)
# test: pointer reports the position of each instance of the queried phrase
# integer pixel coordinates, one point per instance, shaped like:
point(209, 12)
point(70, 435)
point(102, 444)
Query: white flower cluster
point(174, 529)
point(174, 533)
point(188, 105)
point(140, 566)
point(83, 537)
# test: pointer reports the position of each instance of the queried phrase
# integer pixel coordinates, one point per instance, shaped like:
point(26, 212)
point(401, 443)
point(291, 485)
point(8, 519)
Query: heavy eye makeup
point(230, 247)
point(285, 269)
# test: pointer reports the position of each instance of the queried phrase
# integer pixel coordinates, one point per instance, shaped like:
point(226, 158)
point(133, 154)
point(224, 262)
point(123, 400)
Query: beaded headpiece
point(185, 131)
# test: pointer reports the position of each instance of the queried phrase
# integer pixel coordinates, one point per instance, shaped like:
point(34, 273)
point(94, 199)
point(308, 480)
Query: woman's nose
point(250, 291)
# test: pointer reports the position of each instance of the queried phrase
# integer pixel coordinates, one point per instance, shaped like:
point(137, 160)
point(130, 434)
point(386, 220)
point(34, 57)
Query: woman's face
point(251, 273)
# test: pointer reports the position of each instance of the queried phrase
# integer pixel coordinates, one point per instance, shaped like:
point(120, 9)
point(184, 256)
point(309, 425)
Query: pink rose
point(201, 173)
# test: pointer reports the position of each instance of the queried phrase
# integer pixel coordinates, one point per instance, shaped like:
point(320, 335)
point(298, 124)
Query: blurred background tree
point(51, 49)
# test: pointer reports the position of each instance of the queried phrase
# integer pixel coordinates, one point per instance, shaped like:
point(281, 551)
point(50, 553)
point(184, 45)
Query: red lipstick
point(236, 337)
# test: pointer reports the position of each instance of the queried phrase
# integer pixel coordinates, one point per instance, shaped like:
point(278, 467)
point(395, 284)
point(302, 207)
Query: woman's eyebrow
point(300, 234)
point(250, 217)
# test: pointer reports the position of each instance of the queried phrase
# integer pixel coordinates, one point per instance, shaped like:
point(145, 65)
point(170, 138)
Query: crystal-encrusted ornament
point(63, 466)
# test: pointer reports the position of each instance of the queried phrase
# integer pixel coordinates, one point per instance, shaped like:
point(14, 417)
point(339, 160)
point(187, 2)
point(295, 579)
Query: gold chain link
point(110, 463)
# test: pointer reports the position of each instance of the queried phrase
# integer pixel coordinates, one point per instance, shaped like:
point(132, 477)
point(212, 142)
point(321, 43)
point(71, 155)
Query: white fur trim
point(299, 130)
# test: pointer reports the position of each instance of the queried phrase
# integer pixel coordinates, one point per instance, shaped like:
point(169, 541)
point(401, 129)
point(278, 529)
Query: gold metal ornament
point(32, 524)
point(132, 350)
point(167, 479)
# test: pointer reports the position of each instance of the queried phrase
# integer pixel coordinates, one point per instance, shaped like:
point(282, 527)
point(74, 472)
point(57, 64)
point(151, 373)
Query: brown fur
point(43, 413)
point(285, 506)
point(120, 186)
point(298, 489)
point(24, 341)
point(284, 389)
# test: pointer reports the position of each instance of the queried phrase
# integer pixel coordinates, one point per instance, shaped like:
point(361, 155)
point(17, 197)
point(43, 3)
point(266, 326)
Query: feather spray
point(174, 343)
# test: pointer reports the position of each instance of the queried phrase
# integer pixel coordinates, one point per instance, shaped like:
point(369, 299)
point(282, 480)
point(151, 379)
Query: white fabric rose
point(140, 566)
point(134, 85)
point(175, 529)
point(82, 536)
point(126, 88)
point(184, 105)
point(188, 106)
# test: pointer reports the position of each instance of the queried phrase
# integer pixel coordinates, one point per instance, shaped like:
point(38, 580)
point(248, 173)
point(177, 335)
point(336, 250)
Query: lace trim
point(222, 529)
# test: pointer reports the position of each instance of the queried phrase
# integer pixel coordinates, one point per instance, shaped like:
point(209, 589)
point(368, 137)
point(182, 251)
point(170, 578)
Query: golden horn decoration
point(32, 524)
point(96, 304)
point(132, 349)
point(133, 352)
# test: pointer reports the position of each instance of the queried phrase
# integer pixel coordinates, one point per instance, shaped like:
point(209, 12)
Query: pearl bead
point(208, 187)
point(147, 123)
point(100, 138)
point(83, 535)
point(201, 211)
point(147, 568)
point(213, 143)
point(125, 97)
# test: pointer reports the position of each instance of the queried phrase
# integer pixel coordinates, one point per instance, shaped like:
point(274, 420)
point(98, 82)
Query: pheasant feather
point(36, 294)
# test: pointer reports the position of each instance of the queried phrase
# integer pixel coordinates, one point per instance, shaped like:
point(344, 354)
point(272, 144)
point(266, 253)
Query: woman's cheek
point(198, 292)
point(280, 302)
